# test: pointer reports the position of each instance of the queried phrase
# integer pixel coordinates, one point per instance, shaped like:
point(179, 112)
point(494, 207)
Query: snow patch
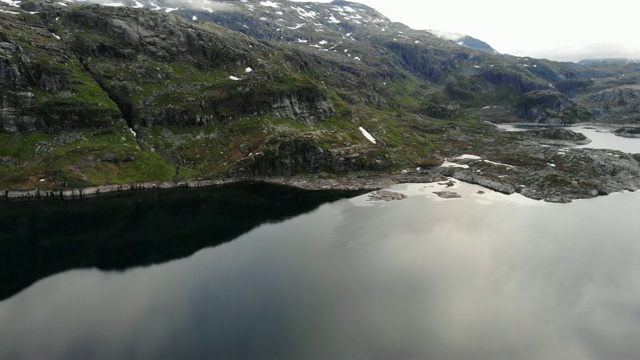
point(248, 70)
point(56, 36)
point(304, 13)
point(303, 41)
point(194, 18)
point(138, 5)
point(450, 165)
point(114, 4)
point(168, 10)
point(333, 20)
point(323, 42)
point(234, 78)
point(9, 12)
point(468, 157)
point(270, 4)
point(155, 6)
point(11, 3)
point(298, 26)
point(367, 135)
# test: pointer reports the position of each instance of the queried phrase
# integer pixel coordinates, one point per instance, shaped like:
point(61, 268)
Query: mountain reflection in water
point(116, 232)
point(486, 276)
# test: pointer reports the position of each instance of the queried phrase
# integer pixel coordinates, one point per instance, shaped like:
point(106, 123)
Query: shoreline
point(364, 182)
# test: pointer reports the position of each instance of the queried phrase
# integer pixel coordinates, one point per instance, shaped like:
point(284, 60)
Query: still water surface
point(488, 276)
point(601, 138)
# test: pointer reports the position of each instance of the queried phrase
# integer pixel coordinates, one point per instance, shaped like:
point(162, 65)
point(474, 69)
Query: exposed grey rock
point(472, 178)
point(448, 194)
point(386, 195)
point(618, 105)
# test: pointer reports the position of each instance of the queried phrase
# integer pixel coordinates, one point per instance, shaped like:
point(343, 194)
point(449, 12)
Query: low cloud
point(588, 51)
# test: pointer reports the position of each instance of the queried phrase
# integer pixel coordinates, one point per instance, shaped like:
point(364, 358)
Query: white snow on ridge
point(304, 13)
point(9, 12)
point(168, 10)
point(333, 20)
point(155, 7)
point(138, 5)
point(114, 4)
point(367, 135)
point(270, 4)
point(11, 3)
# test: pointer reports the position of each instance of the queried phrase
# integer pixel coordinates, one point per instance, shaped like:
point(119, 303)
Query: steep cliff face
point(43, 85)
point(89, 66)
point(187, 74)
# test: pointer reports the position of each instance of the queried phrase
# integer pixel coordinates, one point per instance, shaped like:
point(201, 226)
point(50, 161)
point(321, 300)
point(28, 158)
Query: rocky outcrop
point(558, 137)
point(386, 195)
point(487, 182)
point(448, 194)
point(515, 79)
point(530, 165)
point(618, 105)
point(628, 132)
point(304, 155)
point(551, 107)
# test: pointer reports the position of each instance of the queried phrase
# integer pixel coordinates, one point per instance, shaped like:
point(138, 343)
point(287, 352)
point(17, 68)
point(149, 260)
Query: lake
point(261, 271)
point(601, 137)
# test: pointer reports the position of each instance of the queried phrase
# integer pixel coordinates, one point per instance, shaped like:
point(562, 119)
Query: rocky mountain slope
point(160, 91)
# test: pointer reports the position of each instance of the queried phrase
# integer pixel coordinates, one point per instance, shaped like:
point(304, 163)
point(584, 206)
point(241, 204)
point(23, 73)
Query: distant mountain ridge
point(608, 60)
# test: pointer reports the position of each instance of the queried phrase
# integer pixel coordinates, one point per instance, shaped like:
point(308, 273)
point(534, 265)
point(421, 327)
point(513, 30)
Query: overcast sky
point(563, 30)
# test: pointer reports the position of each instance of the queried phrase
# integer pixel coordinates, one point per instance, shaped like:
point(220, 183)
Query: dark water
point(483, 277)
